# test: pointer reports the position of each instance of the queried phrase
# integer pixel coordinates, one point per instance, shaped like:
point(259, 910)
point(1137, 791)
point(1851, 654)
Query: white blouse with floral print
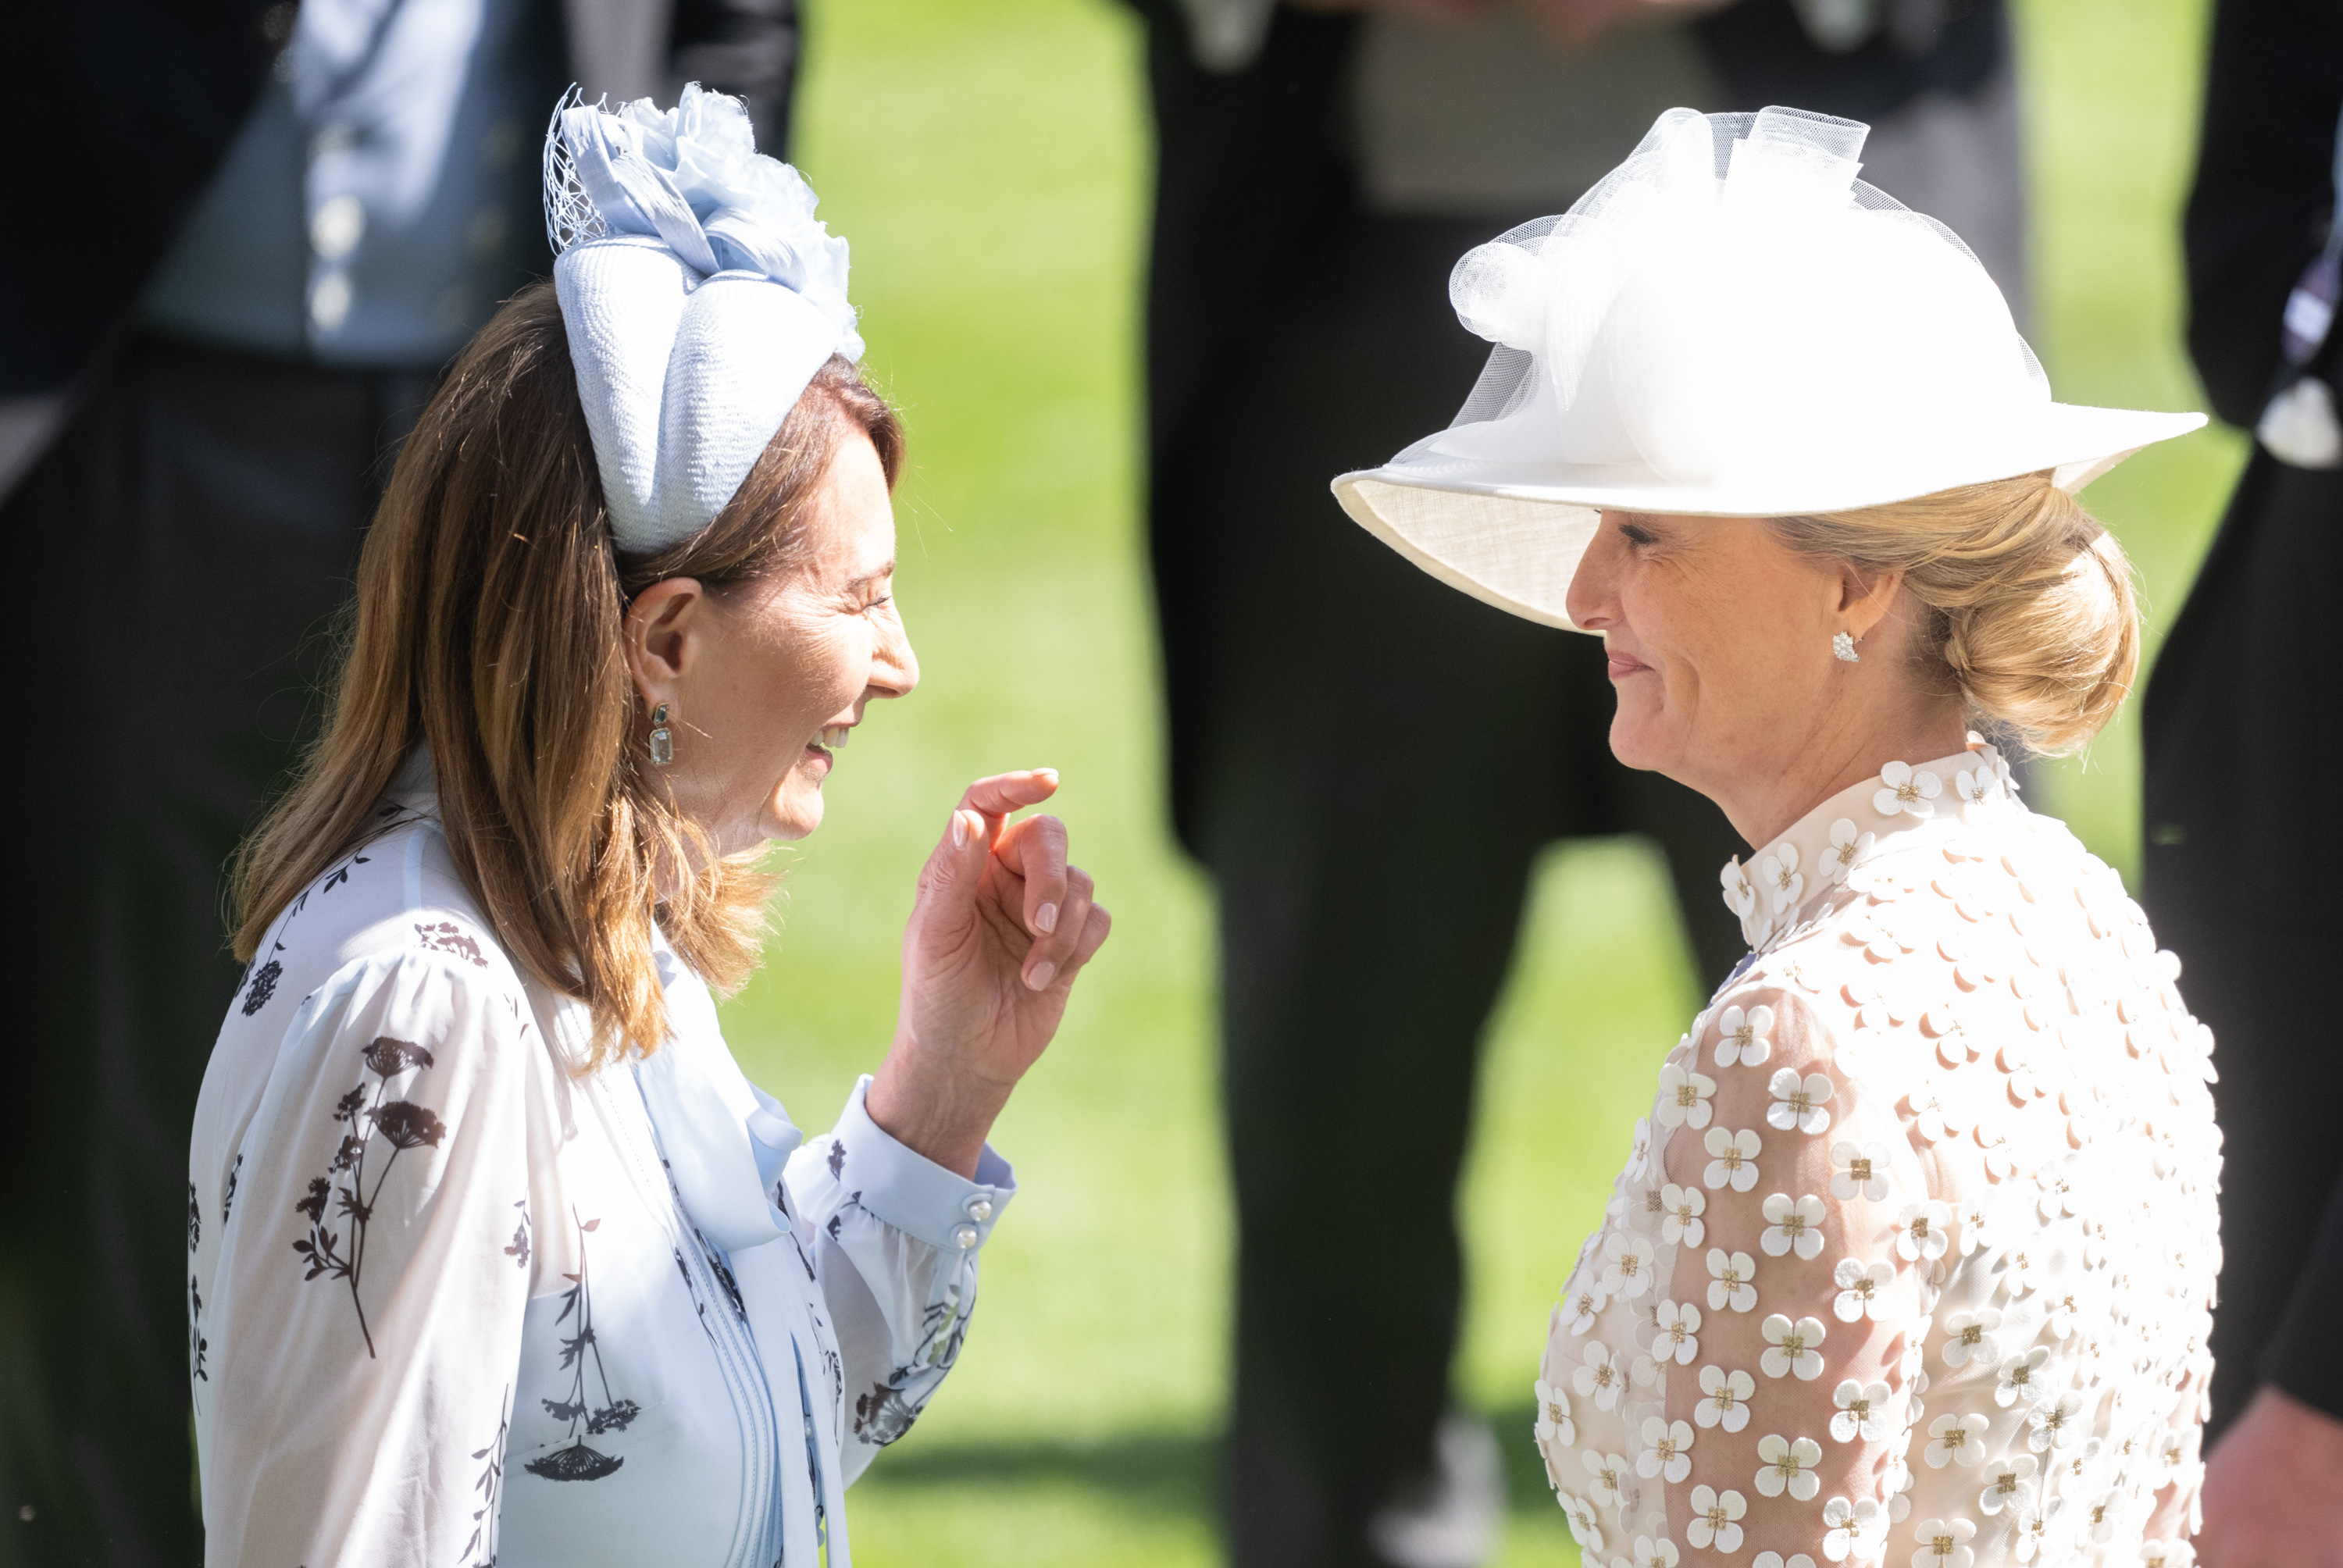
point(1913, 1258)
point(452, 1303)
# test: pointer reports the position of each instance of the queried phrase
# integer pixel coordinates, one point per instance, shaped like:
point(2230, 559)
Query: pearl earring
point(662, 738)
point(1842, 647)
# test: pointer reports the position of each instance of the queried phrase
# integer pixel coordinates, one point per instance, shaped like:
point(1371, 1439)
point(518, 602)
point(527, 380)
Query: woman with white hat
point(494, 1254)
point(1914, 1255)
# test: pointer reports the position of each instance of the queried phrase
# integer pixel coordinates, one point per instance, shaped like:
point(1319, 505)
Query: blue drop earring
point(662, 738)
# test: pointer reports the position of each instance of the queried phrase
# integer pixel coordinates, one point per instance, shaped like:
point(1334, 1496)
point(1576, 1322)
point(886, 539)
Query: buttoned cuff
point(912, 1192)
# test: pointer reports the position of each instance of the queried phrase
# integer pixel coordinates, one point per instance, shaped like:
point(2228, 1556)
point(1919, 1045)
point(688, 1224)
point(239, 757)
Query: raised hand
point(1001, 927)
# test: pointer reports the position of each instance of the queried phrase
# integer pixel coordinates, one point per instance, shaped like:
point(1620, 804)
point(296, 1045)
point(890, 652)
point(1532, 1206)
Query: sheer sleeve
point(372, 1282)
point(894, 1241)
point(1799, 1402)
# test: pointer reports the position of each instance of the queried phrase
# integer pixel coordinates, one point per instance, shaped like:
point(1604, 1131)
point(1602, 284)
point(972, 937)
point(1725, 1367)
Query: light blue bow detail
point(691, 178)
point(726, 1141)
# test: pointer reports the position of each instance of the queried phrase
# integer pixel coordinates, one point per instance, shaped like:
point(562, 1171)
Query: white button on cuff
point(964, 1237)
point(338, 227)
point(979, 1208)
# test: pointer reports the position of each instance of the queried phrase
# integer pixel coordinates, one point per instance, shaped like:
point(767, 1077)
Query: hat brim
point(1511, 534)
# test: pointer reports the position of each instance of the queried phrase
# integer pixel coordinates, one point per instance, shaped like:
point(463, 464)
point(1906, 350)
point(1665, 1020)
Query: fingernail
point(1045, 918)
point(1041, 976)
point(960, 831)
point(1049, 773)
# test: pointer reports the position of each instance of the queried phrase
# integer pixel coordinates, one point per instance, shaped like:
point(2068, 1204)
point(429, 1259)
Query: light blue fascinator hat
point(700, 295)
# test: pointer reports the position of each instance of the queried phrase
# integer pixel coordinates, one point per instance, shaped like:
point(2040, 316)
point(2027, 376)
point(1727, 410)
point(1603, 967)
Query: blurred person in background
point(284, 220)
point(2236, 871)
point(1318, 172)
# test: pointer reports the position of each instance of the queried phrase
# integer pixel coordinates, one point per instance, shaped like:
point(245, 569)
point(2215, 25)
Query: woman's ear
point(666, 626)
point(1866, 598)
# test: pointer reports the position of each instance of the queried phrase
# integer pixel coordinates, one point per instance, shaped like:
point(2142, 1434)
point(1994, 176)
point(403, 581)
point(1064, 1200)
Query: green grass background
point(989, 163)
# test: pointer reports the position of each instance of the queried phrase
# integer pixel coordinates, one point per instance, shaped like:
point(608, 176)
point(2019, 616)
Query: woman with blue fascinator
point(494, 1254)
point(1912, 1257)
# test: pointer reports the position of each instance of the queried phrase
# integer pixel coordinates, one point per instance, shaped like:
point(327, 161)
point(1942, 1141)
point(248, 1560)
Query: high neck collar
point(1904, 803)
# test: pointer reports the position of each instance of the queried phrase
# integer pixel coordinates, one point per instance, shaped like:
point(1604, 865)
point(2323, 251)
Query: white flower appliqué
point(1791, 1226)
point(1725, 1398)
point(1713, 1522)
point(1792, 1348)
point(1681, 1209)
point(1732, 1280)
point(1684, 1098)
point(1742, 1036)
point(1970, 1337)
point(1956, 1439)
point(1798, 1102)
point(1654, 1552)
point(1847, 848)
point(1626, 1266)
point(1905, 790)
point(1602, 1378)
point(1740, 892)
point(1668, 1451)
point(2007, 1480)
point(1862, 1290)
point(1581, 1305)
point(1583, 1529)
point(2022, 1382)
point(1862, 1412)
point(1922, 1230)
point(1945, 1543)
point(1778, 873)
point(1851, 1527)
point(2052, 1424)
point(1733, 1160)
point(1788, 1466)
point(1605, 1472)
point(1859, 1169)
point(1676, 1329)
point(1975, 786)
point(1553, 1422)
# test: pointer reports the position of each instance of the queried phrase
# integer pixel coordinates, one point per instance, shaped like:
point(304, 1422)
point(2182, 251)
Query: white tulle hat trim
point(700, 295)
point(1729, 323)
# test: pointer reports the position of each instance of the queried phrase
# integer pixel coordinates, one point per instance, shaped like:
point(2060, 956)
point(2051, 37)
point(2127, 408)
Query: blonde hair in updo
point(2030, 609)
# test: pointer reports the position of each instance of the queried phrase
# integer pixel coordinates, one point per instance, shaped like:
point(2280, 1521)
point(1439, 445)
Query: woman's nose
point(894, 667)
point(1588, 602)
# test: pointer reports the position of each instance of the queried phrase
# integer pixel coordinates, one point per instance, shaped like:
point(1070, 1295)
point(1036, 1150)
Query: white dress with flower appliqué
point(1914, 1258)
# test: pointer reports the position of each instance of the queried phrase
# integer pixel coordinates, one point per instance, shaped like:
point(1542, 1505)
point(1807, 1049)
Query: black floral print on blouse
point(447, 937)
point(337, 1251)
point(518, 1250)
point(198, 1347)
point(480, 1551)
point(577, 1462)
point(262, 985)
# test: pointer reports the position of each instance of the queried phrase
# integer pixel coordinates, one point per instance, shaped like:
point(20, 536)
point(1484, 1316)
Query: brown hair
point(489, 625)
point(2030, 610)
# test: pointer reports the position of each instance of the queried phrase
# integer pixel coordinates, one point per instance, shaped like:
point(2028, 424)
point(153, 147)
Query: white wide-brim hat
point(1730, 325)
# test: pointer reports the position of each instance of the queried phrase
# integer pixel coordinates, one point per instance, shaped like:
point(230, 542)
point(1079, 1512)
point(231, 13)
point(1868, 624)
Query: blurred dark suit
point(184, 542)
point(2243, 710)
point(1368, 761)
